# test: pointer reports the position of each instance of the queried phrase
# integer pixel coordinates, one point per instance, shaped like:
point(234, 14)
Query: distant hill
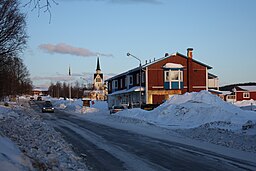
point(231, 86)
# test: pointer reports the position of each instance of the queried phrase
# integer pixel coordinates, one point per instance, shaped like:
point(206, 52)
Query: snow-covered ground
point(192, 117)
point(39, 143)
point(200, 116)
point(247, 104)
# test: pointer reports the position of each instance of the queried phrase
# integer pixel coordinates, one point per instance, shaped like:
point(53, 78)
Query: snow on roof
point(215, 91)
point(136, 88)
point(40, 89)
point(248, 88)
point(173, 65)
point(226, 92)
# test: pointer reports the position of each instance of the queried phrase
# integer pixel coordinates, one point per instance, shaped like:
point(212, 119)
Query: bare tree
point(14, 76)
point(13, 35)
point(42, 5)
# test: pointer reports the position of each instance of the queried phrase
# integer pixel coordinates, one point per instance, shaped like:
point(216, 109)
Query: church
point(99, 88)
point(98, 77)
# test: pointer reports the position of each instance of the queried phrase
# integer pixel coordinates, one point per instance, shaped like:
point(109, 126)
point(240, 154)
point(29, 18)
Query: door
point(158, 99)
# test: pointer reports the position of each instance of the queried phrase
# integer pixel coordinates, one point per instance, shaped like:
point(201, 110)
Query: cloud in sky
point(53, 78)
point(82, 78)
point(63, 48)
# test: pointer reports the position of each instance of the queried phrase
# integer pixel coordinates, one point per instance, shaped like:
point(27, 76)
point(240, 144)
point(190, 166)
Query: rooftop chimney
point(189, 70)
point(190, 52)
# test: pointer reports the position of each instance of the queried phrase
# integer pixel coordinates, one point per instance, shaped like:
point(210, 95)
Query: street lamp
point(128, 54)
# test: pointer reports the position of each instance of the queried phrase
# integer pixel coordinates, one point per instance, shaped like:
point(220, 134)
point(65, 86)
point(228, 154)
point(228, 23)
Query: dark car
point(115, 109)
point(39, 98)
point(47, 107)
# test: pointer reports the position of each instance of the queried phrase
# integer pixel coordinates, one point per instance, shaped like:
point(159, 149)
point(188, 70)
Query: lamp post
point(128, 54)
point(69, 73)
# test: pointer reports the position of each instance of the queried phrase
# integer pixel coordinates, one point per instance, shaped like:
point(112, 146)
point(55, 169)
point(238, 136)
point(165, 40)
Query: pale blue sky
point(222, 33)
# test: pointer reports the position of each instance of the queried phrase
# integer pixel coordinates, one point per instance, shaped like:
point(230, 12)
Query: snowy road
point(107, 148)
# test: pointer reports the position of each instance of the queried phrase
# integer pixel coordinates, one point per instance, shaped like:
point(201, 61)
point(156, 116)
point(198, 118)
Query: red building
point(245, 93)
point(160, 79)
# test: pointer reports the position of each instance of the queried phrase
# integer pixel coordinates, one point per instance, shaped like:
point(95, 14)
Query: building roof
point(246, 88)
point(98, 64)
point(215, 91)
point(212, 75)
point(40, 89)
point(136, 88)
point(155, 61)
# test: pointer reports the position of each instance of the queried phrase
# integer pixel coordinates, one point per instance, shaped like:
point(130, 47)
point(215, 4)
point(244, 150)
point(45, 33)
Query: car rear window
point(118, 107)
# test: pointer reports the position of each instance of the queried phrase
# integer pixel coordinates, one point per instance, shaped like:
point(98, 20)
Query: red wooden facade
point(194, 78)
point(198, 73)
point(245, 93)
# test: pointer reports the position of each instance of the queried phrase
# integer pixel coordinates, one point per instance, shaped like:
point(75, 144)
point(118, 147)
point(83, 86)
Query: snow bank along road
point(106, 148)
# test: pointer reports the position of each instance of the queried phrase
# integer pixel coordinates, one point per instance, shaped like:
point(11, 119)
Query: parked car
point(39, 98)
point(47, 107)
point(115, 109)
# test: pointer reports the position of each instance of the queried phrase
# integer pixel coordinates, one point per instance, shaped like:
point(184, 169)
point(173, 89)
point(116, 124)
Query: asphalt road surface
point(110, 149)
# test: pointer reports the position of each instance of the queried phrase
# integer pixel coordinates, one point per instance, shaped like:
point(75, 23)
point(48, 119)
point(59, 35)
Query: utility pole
point(128, 54)
point(69, 73)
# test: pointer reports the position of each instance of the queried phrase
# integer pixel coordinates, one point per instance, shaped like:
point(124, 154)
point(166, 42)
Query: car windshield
point(47, 105)
point(118, 107)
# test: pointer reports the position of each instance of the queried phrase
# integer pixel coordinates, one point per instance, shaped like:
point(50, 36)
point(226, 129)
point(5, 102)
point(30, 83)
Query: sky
point(222, 34)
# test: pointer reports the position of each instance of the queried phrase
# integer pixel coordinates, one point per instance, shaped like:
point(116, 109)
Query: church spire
point(98, 64)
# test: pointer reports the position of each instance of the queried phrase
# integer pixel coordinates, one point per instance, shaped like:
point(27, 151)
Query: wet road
point(106, 148)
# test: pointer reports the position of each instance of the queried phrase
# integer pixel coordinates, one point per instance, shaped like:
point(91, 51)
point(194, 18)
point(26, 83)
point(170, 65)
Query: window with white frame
point(246, 95)
point(166, 76)
point(130, 78)
point(175, 76)
point(173, 79)
point(114, 84)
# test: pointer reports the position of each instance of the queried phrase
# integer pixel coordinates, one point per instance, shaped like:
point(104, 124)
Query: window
point(143, 77)
point(130, 78)
point(109, 86)
point(137, 78)
point(175, 75)
point(246, 95)
point(125, 82)
point(121, 83)
point(166, 76)
point(114, 84)
point(173, 79)
point(98, 80)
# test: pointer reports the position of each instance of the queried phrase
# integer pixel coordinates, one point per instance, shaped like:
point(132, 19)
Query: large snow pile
point(76, 106)
point(193, 110)
point(202, 116)
point(11, 158)
point(37, 140)
point(246, 104)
